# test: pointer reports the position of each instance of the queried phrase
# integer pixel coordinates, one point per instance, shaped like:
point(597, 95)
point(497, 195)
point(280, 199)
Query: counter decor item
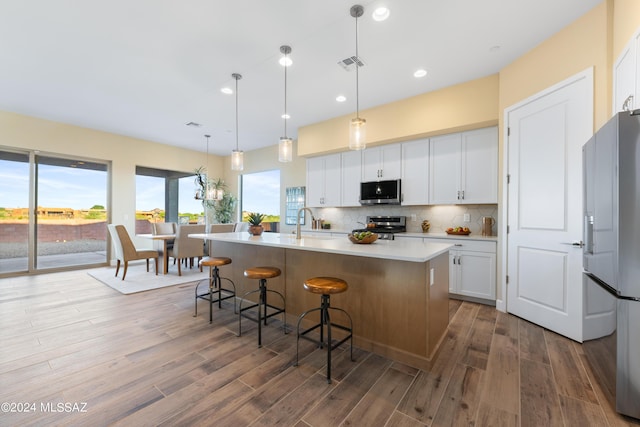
point(487, 225)
point(461, 231)
point(363, 237)
point(255, 220)
point(425, 226)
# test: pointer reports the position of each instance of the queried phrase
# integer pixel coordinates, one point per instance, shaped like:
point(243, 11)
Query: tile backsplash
point(441, 217)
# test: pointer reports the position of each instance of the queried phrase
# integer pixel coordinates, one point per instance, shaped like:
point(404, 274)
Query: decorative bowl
point(369, 239)
point(458, 233)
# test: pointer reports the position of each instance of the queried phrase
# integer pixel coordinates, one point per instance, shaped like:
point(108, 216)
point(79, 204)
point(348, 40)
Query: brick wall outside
point(18, 232)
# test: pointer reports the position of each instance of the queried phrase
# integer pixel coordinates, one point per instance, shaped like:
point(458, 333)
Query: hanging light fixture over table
point(237, 156)
point(285, 146)
point(358, 125)
point(211, 192)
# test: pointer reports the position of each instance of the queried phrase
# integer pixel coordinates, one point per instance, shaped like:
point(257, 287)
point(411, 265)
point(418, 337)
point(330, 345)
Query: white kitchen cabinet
point(626, 81)
point(472, 270)
point(381, 163)
point(463, 167)
point(323, 181)
point(415, 172)
point(351, 176)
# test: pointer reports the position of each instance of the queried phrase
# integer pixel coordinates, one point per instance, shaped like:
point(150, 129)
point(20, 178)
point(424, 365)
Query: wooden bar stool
point(325, 286)
point(215, 285)
point(262, 274)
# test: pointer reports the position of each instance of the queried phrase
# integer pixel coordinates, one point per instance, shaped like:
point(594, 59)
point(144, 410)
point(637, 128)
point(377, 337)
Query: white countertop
point(429, 235)
point(405, 250)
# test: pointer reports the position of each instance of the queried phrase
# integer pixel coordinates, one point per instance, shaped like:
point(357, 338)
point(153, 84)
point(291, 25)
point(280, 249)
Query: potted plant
point(255, 219)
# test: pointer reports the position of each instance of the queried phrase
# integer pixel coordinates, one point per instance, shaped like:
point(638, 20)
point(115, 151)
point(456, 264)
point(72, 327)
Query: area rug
point(138, 280)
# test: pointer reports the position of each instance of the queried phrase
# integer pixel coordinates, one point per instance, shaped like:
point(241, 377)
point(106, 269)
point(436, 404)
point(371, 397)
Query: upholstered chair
point(163, 228)
point(184, 247)
point(126, 250)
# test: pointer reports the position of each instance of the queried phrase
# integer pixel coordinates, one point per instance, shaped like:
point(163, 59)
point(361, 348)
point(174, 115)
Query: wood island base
point(397, 312)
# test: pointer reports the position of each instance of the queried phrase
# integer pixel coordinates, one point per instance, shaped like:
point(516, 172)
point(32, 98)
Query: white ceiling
point(144, 68)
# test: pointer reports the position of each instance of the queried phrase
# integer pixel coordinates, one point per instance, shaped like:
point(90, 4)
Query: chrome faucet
point(298, 234)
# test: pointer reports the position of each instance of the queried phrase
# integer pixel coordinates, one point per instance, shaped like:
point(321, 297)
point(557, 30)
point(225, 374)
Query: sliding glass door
point(53, 212)
point(14, 211)
point(71, 214)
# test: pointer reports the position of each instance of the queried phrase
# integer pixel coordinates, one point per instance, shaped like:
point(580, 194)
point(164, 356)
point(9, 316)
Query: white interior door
point(544, 267)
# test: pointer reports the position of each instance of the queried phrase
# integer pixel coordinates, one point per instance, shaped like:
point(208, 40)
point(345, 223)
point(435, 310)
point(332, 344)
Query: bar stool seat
point(262, 274)
point(325, 286)
point(215, 285)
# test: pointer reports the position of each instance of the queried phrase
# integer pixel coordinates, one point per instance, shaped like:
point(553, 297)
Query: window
point(165, 196)
point(261, 193)
point(53, 212)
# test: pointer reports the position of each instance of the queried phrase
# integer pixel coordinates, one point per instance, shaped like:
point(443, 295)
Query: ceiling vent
point(350, 63)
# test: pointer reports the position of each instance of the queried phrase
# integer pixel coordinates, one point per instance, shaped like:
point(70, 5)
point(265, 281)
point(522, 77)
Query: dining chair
point(126, 250)
point(220, 228)
point(163, 228)
point(184, 247)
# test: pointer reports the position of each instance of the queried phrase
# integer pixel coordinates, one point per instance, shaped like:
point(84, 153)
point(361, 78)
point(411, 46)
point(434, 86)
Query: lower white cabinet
point(472, 268)
point(472, 272)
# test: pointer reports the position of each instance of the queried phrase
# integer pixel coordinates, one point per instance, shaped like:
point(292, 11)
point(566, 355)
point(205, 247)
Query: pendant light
point(358, 125)
point(237, 156)
point(211, 192)
point(286, 144)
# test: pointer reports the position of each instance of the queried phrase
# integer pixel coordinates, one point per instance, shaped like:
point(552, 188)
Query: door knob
point(577, 244)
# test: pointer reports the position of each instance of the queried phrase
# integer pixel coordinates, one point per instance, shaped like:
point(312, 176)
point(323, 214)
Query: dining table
point(165, 238)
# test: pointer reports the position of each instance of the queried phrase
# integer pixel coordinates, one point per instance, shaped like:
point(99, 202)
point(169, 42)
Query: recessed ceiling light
point(380, 14)
point(341, 98)
point(420, 73)
point(286, 116)
point(285, 61)
point(226, 90)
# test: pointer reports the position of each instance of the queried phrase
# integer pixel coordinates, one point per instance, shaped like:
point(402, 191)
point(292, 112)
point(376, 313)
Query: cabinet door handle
point(462, 194)
point(458, 194)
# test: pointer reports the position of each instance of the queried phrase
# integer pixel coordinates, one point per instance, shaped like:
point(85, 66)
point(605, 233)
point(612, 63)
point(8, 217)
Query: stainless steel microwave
point(380, 192)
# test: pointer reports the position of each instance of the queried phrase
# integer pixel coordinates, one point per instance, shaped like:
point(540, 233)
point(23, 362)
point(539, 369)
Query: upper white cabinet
point(381, 163)
point(626, 78)
point(323, 181)
point(415, 172)
point(351, 176)
point(463, 168)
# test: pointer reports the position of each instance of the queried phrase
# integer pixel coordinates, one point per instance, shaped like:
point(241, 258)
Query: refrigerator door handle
point(588, 234)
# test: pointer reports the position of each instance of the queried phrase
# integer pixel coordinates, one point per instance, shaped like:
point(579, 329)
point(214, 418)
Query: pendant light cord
point(236, 77)
point(357, 74)
point(285, 95)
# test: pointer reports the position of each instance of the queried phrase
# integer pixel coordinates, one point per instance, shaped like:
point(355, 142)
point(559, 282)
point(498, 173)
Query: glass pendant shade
point(237, 160)
point(285, 148)
point(210, 193)
point(358, 134)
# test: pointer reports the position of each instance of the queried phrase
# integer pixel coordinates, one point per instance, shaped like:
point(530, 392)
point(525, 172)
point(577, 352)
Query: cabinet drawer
point(466, 245)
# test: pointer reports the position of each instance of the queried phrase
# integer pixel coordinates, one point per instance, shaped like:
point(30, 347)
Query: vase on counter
point(425, 226)
point(256, 230)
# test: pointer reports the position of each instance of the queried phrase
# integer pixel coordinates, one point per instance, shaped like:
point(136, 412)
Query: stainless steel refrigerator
point(611, 321)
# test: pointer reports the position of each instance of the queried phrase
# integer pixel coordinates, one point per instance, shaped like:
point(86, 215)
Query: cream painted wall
point(292, 174)
point(581, 45)
point(29, 133)
point(626, 20)
point(465, 106)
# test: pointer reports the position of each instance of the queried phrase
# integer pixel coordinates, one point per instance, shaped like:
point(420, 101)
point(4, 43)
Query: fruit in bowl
point(363, 237)
point(458, 230)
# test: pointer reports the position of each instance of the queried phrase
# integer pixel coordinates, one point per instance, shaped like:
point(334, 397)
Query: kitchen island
point(398, 290)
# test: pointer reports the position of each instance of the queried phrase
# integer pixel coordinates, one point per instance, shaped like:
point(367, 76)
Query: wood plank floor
point(75, 352)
